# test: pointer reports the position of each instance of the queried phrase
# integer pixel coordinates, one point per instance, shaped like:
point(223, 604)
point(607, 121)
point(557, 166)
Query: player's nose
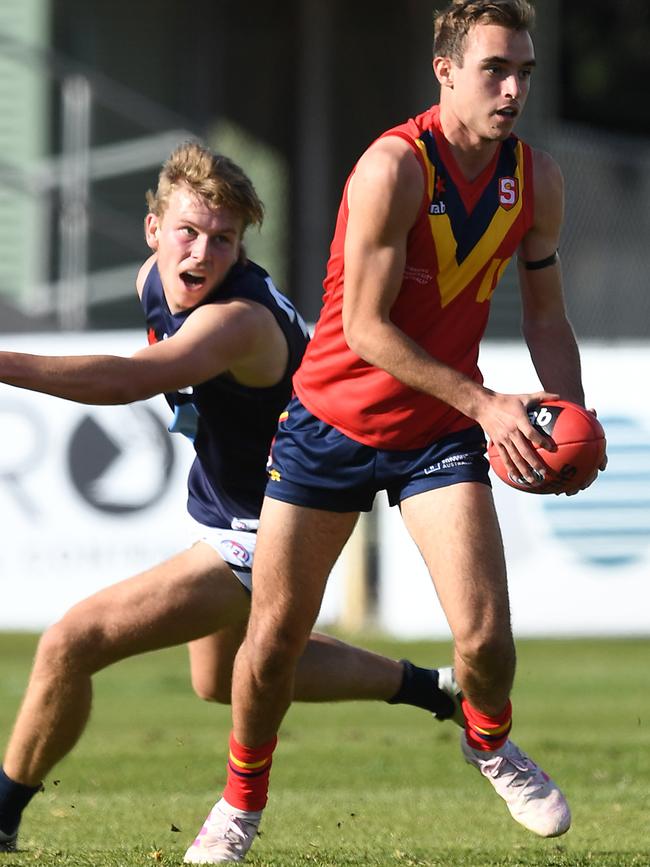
point(200, 248)
point(512, 87)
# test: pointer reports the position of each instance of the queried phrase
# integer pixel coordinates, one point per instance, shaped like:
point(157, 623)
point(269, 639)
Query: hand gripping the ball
point(514, 438)
point(579, 453)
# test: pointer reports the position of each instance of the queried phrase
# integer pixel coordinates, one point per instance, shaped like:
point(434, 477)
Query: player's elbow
point(359, 335)
point(131, 393)
point(130, 385)
point(353, 339)
point(120, 396)
point(117, 390)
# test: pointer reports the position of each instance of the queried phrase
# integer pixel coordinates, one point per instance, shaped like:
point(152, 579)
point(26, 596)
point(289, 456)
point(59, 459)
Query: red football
point(580, 441)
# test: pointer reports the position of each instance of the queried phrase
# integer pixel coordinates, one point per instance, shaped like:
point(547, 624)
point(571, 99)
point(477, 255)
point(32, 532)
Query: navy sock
point(420, 689)
point(14, 797)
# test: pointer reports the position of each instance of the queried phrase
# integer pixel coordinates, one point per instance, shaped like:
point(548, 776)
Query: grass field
point(353, 784)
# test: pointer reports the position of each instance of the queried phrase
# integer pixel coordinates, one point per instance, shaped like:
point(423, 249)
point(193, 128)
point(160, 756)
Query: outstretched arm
point(232, 336)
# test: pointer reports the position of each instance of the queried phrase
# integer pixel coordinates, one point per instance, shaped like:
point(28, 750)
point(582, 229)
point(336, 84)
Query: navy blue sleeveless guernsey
point(231, 425)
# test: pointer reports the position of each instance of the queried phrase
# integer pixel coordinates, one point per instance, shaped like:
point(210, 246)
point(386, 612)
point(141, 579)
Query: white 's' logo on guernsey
point(508, 192)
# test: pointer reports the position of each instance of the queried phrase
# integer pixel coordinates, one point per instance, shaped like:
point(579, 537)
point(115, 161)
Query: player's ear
point(443, 70)
point(151, 230)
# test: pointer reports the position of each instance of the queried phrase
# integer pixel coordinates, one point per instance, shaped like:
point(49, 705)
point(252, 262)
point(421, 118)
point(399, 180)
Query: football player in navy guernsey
point(223, 346)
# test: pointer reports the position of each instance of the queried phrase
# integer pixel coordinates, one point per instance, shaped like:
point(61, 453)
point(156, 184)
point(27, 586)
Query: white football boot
point(226, 836)
point(532, 797)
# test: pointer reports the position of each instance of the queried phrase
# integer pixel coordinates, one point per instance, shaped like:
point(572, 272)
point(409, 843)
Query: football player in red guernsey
point(389, 397)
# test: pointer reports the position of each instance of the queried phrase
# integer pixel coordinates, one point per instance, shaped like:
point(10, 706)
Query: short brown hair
point(453, 23)
point(213, 177)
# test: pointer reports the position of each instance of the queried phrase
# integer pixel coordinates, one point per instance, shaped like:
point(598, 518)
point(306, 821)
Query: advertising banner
point(577, 565)
point(91, 495)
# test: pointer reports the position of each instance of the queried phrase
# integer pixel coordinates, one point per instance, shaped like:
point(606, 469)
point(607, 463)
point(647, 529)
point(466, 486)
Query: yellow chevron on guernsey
point(453, 277)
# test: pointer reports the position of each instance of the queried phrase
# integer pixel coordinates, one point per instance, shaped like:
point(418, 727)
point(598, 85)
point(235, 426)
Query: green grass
point(362, 784)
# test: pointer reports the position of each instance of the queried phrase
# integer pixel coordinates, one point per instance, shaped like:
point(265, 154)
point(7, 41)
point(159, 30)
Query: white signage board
point(91, 495)
point(577, 565)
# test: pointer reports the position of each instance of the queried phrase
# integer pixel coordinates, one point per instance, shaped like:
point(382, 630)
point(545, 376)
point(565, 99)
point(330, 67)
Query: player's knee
point(488, 651)
point(66, 645)
point(215, 689)
point(273, 652)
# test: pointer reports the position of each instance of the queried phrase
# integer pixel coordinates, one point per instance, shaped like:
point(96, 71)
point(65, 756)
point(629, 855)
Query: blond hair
point(453, 23)
point(212, 177)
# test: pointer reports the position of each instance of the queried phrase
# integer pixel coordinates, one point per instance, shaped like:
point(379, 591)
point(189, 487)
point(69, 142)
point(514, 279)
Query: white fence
point(90, 495)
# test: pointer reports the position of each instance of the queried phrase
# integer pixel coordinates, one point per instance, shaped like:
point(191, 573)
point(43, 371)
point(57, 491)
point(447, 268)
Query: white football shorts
point(235, 546)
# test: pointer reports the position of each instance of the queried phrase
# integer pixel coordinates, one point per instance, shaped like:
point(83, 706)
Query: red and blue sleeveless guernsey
point(458, 248)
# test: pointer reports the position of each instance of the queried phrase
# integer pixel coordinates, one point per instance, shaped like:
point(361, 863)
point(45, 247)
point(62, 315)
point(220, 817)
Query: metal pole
point(72, 301)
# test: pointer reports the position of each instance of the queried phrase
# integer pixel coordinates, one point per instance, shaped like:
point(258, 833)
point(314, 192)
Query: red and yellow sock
point(485, 732)
point(247, 785)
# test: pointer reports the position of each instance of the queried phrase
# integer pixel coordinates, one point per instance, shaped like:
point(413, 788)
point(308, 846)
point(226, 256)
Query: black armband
point(540, 263)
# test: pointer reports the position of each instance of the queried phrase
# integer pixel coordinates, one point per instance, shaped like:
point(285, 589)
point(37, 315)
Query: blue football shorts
point(313, 464)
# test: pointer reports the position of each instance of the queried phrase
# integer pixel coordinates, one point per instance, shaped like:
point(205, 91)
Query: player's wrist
point(474, 400)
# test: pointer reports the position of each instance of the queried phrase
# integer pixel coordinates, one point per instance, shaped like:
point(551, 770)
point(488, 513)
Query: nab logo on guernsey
point(437, 208)
point(120, 458)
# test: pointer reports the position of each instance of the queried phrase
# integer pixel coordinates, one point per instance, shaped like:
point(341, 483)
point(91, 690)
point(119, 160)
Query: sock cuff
point(248, 769)
point(486, 731)
point(487, 723)
point(250, 758)
point(6, 781)
point(407, 675)
point(14, 797)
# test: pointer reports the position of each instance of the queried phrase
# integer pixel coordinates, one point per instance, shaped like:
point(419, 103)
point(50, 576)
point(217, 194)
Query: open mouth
point(508, 113)
point(192, 279)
